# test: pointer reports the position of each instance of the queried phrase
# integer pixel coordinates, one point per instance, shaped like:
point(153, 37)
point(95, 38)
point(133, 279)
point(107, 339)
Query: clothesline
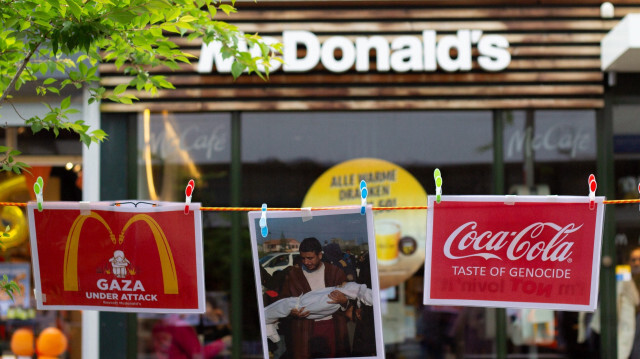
point(247, 209)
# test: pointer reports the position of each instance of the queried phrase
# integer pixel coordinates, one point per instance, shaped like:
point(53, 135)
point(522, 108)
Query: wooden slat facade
point(554, 47)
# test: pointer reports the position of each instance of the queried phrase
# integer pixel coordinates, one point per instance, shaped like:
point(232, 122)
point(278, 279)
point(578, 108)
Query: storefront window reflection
point(283, 154)
point(549, 153)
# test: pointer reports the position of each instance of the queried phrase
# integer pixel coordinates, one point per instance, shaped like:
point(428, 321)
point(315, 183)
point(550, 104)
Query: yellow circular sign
point(400, 234)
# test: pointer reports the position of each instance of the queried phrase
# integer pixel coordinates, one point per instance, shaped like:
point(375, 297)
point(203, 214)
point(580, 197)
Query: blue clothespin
point(263, 221)
point(438, 177)
point(38, 187)
point(592, 191)
point(363, 194)
point(188, 193)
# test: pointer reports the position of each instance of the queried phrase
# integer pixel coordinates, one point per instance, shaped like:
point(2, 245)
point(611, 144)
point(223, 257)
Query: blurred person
point(634, 263)
point(174, 338)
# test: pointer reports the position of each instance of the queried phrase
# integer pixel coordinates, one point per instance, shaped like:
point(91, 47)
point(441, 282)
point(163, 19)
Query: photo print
point(317, 284)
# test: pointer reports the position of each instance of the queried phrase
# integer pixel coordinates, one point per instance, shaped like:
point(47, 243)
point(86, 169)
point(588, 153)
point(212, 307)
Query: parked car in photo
point(273, 262)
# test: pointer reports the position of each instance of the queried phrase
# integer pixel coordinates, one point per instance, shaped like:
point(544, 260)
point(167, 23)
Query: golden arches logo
point(70, 269)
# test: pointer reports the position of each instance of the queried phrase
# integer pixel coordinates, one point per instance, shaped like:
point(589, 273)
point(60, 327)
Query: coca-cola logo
point(530, 243)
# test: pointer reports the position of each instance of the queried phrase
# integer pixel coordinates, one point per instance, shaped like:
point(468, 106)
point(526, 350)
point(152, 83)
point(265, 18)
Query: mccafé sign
point(101, 256)
point(520, 252)
point(423, 53)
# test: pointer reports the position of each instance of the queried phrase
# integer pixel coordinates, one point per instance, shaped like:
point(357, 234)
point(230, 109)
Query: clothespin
point(438, 177)
point(188, 192)
point(263, 221)
point(363, 194)
point(592, 191)
point(38, 188)
point(306, 214)
point(85, 208)
point(639, 192)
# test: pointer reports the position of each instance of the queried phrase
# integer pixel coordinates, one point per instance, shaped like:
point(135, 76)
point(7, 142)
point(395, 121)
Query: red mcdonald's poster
point(118, 256)
point(514, 252)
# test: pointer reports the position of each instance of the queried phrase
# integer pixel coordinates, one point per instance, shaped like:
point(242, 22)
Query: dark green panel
point(606, 186)
point(498, 189)
point(117, 181)
point(236, 228)
point(118, 157)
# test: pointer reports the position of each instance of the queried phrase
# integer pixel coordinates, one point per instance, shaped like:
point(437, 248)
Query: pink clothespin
point(188, 192)
point(592, 191)
point(639, 192)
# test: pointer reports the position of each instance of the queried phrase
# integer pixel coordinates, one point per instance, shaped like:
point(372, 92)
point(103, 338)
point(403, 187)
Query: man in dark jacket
point(325, 337)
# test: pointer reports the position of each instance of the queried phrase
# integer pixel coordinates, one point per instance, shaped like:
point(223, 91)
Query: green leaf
point(36, 127)
point(120, 89)
point(236, 69)
point(86, 139)
point(100, 135)
point(75, 8)
point(122, 17)
point(65, 103)
point(49, 81)
point(228, 9)
point(187, 18)
point(184, 25)
point(172, 14)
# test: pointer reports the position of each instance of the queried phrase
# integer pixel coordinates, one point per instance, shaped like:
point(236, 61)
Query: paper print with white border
point(514, 252)
point(124, 258)
point(347, 253)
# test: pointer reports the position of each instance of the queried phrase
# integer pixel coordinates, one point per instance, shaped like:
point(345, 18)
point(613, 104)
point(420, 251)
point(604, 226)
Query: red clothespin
point(592, 191)
point(188, 192)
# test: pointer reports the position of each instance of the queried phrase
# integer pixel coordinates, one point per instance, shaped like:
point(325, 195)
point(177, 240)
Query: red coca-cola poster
point(118, 256)
point(513, 252)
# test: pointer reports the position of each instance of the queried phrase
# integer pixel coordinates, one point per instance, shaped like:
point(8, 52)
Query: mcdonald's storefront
point(502, 98)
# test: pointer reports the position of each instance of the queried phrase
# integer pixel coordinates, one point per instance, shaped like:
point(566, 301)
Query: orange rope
point(12, 204)
point(621, 201)
point(247, 209)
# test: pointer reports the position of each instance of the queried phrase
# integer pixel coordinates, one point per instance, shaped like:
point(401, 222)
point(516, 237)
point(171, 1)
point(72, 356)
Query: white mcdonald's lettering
point(403, 54)
point(70, 266)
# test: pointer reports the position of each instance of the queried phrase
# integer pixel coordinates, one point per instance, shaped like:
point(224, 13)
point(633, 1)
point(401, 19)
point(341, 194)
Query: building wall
point(554, 49)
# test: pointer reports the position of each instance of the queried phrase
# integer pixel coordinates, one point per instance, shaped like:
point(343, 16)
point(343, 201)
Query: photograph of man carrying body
point(320, 338)
point(316, 300)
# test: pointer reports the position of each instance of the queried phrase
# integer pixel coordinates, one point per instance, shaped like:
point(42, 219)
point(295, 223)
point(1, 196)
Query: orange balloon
point(51, 342)
point(22, 342)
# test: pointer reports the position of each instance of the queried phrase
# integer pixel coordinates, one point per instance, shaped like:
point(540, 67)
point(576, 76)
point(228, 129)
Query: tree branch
point(18, 73)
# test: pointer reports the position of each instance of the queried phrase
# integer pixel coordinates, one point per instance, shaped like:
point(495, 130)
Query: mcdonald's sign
point(124, 258)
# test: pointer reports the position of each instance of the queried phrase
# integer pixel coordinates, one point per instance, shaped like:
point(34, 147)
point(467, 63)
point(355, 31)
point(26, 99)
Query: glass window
point(559, 156)
point(58, 162)
point(548, 152)
point(283, 154)
point(626, 148)
point(174, 148)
